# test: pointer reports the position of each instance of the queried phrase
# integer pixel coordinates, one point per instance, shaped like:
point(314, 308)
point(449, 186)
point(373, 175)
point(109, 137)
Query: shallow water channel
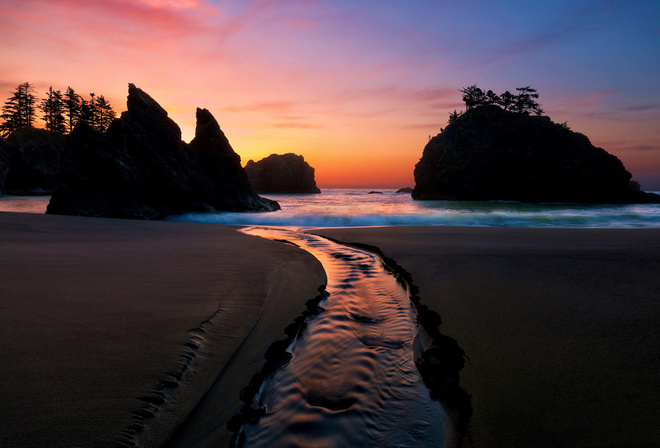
point(352, 379)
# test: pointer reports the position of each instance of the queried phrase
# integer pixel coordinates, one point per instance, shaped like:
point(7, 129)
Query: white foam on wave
point(358, 208)
point(481, 219)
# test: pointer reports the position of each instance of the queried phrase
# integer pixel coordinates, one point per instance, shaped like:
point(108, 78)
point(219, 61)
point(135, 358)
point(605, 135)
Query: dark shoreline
point(276, 357)
point(98, 312)
point(560, 325)
point(441, 360)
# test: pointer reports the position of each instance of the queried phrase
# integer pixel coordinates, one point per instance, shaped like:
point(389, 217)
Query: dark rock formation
point(492, 154)
point(286, 173)
point(140, 168)
point(30, 162)
point(4, 167)
point(404, 190)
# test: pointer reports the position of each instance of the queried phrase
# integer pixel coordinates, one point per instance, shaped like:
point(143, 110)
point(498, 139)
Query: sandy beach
point(96, 314)
point(116, 331)
point(560, 326)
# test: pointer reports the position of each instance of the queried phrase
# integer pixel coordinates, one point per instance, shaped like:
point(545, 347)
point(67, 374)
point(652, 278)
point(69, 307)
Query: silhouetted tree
point(18, 111)
point(473, 96)
point(453, 116)
point(60, 112)
point(97, 112)
point(72, 103)
point(507, 100)
point(53, 108)
point(88, 109)
point(105, 114)
point(525, 103)
point(491, 98)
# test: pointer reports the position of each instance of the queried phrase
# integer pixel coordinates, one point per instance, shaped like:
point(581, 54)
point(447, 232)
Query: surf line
point(368, 366)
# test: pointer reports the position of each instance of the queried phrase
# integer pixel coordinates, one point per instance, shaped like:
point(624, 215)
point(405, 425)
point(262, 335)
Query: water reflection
point(24, 204)
point(352, 379)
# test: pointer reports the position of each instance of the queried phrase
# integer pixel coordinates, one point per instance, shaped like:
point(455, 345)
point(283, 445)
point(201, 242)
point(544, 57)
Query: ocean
point(364, 207)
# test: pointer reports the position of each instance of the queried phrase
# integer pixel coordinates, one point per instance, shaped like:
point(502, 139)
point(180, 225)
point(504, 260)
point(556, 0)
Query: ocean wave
point(476, 219)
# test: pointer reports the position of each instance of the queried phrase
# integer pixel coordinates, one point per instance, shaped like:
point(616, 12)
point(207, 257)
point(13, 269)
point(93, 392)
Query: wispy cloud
point(6, 87)
point(295, 124)
point(429, 126)
point(353, 75)
point(631, 146)
point(283, 114)
point(172, 4)
point(577, 102)
point(122, 14)
point(646, 148)
point(644, 107)
point(277, 107)
point(533, 43)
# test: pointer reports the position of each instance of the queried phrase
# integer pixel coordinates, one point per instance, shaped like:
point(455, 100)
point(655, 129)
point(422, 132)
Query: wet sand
point(94, 314)
point(560, 326)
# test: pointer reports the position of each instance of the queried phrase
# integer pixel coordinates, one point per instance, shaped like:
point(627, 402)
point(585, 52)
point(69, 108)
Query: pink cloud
point(429, 125)
point(266, 106)
point(577, 101)
point(295, 125)
point(587, 104)
point(630, 146)
point(173, 4)
point(108, 40)
point(283, 113)
point(302, 24)
point(109, 18)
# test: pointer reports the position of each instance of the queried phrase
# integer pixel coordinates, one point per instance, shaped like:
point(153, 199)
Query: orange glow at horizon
point(353, 88)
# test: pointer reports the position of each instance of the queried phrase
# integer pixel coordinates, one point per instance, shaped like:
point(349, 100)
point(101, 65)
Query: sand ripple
point(352, 378)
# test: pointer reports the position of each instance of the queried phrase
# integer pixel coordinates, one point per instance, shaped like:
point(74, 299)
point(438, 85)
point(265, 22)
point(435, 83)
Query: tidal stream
point(352, 379)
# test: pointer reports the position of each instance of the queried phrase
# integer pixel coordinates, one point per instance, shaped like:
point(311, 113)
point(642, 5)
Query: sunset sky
point(355, 86)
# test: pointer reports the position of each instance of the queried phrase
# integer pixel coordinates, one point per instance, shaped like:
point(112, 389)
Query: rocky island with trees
point(140, 168)
point(61, 111)
point(503, 148)
point(30, 157)
point(135, 166)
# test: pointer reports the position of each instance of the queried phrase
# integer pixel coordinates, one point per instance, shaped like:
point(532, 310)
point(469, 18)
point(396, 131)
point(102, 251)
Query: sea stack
point(30, 162)
point(489, 153)
point(140, 168)
point(285, 173)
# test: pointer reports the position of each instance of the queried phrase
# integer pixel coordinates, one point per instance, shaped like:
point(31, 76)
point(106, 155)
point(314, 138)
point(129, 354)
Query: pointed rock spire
point(140, 168)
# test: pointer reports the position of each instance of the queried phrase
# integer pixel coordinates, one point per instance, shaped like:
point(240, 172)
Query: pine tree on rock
point(105, 114)
point(72, 106)
point(53, 108)
point(88, 110)
point(523, 103)
point(19, 110)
